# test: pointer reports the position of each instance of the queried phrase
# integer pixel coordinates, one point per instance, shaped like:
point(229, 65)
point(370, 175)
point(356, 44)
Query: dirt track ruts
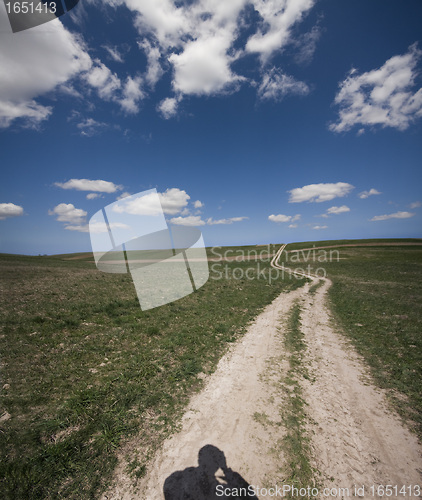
point(356, 439)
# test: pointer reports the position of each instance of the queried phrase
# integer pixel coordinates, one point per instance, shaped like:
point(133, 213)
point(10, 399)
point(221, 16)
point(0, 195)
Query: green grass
point(83, 368)
point(376, 299)
point(296, 443)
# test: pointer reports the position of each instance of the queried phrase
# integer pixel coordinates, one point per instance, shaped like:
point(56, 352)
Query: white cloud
point(385, 96)
point(320, 227)
point(90, 127)
point(114, 53)
point(197, 40)
point(416, 204)
point(89, 185)
point(33, 63)
point(276, 85)
point(212, 222)
point(292, 226)
point(101, 78)
point(396, 215)
point(283, 218)
point(279, 218)
point(203, 68)
point(123, 195)
point(338, 210)
point(306, 45)
point(320, 192)
point(10, 210)
point(75, 220)
point(154, 68)
point(96, 227)
point(168, 107)
point(93, 196)
point(191, 220)
point(81, 228)
point(68, 213)
point(198, 204)
point(32, 112)
point(366, 194)
point(142, 205)
point(278, 19)
point(132, 94)
point(173, 200)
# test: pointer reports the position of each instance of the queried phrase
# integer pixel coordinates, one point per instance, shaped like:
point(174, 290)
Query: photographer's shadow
point(204, 482)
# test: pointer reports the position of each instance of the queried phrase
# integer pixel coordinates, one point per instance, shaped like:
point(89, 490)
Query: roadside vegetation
point(296, 443)
point(376, 299)
point(83, 368)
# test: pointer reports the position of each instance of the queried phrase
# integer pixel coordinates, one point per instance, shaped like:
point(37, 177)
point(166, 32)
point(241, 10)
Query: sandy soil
point(356, 439)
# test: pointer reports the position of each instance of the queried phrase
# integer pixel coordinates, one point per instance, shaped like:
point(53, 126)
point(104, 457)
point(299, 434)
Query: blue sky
point(258, 122)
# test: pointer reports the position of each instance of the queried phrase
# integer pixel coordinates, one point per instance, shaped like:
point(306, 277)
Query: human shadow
point(204, 482)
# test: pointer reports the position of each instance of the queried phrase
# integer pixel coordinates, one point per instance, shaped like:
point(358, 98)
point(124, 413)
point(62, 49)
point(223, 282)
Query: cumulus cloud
point(154, 69)
point(320, 192)
point(319, 227)
point(276, 85)
point(278, 19)
point(34, 63)
point(383, 97)
point(396, 215)
point(90, 127)
point(366, 194)
point(212, 222)
point(416, 204)
point(168, 107)
point(338, 210)
point(123, 195)
point(142, 205)
point(10, 210)
point(32, 112)
point(101, 78)
point(66, 212)
point(203, 68)
point(198, 204)
point(196, 40)
point(173, 200)
point(191, 220)
point(96, 227)
point(93, 196)
point(132, 94)
point(89, 185)
point(75, 220)
point(283, 218)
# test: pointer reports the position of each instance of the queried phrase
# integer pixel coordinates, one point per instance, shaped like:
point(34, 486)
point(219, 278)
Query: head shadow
point(211, 479)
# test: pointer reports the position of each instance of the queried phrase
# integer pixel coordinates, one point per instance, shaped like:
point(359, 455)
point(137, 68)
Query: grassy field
point(376, 299)
point(83, 368)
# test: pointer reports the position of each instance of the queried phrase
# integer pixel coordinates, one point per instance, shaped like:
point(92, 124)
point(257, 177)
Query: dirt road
point(356, 441)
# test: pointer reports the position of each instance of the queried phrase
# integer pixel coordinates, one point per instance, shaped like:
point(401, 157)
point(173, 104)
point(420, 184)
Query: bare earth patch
point(355, 438)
